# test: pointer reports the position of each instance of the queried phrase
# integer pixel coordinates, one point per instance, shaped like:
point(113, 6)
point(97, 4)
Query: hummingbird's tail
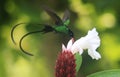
point(46, 29)
point(12, 31)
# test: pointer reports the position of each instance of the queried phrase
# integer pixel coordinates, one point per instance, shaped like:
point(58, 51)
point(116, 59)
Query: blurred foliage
point(85, 14)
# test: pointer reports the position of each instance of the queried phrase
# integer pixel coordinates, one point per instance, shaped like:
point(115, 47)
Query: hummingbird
point(59, 26)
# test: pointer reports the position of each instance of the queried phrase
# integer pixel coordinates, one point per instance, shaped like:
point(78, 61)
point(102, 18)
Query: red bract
point(65, 65)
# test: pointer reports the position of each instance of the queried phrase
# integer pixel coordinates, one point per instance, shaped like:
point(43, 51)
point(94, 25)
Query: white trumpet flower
point(90, 42)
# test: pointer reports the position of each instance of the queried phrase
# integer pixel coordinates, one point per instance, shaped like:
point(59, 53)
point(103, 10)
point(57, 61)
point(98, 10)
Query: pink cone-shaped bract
point(65, 65)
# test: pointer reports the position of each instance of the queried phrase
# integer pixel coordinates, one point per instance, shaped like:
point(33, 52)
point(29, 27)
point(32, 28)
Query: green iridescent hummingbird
point(60, 26)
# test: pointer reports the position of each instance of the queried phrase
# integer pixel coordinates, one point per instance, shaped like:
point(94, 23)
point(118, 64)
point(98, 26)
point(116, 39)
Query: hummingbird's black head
point(71, 34)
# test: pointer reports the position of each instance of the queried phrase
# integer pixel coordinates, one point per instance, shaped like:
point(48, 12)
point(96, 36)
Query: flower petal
point(80, 51)
point(63, 47)
point(94, 54)
point(69, 45)
point(94, 39)
point(81, 43)
point(91, 42)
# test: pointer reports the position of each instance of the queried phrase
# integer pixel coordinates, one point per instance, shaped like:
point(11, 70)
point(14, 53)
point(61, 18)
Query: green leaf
point(107, 73)
point(78, 61)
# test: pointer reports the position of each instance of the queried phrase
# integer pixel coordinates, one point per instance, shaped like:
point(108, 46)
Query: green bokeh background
point(85, 14)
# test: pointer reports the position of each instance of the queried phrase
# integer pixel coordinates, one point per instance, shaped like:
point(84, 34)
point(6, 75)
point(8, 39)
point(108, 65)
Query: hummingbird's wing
point(53, 15)
point(66, 16)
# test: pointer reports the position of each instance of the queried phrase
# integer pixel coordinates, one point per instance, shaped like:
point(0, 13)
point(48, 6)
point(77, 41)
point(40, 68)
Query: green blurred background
point(85, 14)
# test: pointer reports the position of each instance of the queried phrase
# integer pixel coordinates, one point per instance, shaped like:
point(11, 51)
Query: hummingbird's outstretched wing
point(66, 16)
point(53, 15)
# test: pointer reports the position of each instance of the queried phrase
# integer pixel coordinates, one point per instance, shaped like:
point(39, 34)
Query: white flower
point(90, 42)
